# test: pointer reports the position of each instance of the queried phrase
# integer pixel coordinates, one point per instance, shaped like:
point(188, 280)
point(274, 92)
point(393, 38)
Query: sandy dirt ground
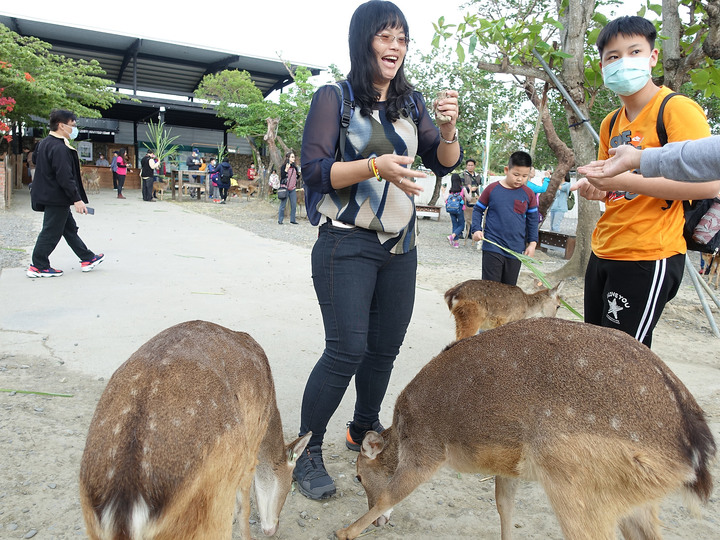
point(42, 439)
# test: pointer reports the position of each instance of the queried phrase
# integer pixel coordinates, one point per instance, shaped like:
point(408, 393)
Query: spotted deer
point(467, 214)
point(181, 429)
point(479, 304)
point(588, 412)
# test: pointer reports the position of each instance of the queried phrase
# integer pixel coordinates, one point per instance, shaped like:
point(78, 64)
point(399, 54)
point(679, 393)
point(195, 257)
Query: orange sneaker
point(353, 444)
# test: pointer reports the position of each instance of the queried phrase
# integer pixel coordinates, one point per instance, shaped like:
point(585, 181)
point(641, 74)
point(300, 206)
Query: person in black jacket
point(148, 165)
point(225, 173)
point(56, 187)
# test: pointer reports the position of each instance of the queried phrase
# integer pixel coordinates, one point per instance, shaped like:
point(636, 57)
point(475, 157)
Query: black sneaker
point(312, 479)
point(35, 272)
point(86, 266)
point(354, 442)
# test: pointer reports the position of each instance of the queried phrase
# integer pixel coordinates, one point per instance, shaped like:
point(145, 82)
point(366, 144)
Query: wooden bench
point(428, 210)
point(555, 239)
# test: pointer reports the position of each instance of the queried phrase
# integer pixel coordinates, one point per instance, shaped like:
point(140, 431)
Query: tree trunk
point(678, 61)
point(564, 155)
point(436, 190)
point(262, 170)
point(575, 19)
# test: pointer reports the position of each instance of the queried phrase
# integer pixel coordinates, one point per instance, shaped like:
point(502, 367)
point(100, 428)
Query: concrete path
point(165, 264)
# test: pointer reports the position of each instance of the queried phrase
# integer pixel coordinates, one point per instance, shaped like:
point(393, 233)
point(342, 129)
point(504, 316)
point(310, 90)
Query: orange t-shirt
point(637, 227)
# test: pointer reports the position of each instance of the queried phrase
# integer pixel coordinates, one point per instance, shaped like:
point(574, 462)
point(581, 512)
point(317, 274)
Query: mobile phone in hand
point(90, 209)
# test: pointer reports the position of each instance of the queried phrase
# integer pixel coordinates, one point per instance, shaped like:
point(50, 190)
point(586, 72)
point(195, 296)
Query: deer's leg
point(505, 489)
point(243, 500)
point(582, 516)
point(468, 318)
point(642, 524)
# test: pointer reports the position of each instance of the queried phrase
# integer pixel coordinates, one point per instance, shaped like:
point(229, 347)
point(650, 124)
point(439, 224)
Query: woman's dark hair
point(287, 157)
point(60, 116)
point(122, 153)
point(626, 26)
point(369, 19)
point(455, 183)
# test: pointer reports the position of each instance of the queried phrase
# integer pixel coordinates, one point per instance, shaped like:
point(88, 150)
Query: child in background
point(511, 221)
point(455, 204)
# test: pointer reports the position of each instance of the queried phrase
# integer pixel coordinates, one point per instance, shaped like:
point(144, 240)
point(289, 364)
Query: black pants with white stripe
point(631, 295)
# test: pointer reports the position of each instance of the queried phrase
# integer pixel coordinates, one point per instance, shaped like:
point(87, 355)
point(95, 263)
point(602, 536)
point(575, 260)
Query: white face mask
point(626, 76)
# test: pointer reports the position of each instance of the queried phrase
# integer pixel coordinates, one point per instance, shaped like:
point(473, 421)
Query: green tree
point(40, 81)
point(248, 115)
point(509, 36)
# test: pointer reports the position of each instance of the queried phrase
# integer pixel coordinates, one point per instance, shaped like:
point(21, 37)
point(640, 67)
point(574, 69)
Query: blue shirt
point(511, 219)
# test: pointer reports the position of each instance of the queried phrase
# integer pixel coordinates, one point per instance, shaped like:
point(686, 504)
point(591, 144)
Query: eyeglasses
point(387, 39)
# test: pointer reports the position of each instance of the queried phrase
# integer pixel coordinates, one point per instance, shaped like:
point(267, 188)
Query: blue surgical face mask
point(73, 133)
point(626, 76)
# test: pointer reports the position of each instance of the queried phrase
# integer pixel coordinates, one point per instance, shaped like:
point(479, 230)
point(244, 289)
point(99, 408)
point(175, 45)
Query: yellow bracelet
point(375, 170)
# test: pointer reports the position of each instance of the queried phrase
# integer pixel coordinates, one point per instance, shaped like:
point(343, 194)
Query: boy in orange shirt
point(638, 249)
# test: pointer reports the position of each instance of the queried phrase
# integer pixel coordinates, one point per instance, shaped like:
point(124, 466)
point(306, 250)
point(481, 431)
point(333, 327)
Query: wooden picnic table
point(188, 184)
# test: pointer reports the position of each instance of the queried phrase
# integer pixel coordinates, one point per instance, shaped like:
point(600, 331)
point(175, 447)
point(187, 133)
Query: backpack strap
point(660, 123)
point(612, 121)
point(411, 109)
point(347, 108)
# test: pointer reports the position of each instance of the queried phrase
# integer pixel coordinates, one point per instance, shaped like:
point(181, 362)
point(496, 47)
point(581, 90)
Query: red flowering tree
point(33, 81)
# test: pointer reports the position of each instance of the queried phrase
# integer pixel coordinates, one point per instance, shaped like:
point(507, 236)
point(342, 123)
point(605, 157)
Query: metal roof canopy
point(146, 65)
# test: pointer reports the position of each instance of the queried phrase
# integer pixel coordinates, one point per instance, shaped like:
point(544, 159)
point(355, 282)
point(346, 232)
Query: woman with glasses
point(364, 261)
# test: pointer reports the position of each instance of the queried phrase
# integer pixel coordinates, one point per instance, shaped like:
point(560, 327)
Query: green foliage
point(160, 141)
point(294, 107)
point(237, 99)
point(40, 81)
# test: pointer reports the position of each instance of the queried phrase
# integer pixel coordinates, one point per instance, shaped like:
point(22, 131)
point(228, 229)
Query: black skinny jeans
point(366, 297)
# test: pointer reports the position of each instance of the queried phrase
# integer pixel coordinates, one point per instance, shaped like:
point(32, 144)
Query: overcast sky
point(312, 32)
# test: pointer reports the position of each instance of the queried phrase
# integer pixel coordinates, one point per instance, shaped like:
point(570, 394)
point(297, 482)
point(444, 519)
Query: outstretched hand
point(587, 190)
point(623, 158)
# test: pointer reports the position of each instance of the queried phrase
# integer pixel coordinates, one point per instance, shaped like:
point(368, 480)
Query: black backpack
point(694, 210)
point(347, 109)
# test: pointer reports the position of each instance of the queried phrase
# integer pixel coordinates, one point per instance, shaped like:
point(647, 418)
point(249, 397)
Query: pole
point(567, 97)
point(695, 277)
point(487, 146)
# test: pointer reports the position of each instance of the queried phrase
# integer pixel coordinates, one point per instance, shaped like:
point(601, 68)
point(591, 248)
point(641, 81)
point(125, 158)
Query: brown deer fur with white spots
point(181, 429)
point(479, 304)
point(588, 412)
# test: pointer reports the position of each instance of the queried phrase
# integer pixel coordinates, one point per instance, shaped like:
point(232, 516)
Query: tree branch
point(522, 71)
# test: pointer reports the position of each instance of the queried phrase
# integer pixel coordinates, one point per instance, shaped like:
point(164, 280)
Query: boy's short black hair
point(519, 159)
point(469, 160)
point(627, 26)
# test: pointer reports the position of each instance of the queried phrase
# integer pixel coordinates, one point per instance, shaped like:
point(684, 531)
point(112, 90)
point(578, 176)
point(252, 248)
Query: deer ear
point(296, 448)
point(372, 445)
point(559, 287)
